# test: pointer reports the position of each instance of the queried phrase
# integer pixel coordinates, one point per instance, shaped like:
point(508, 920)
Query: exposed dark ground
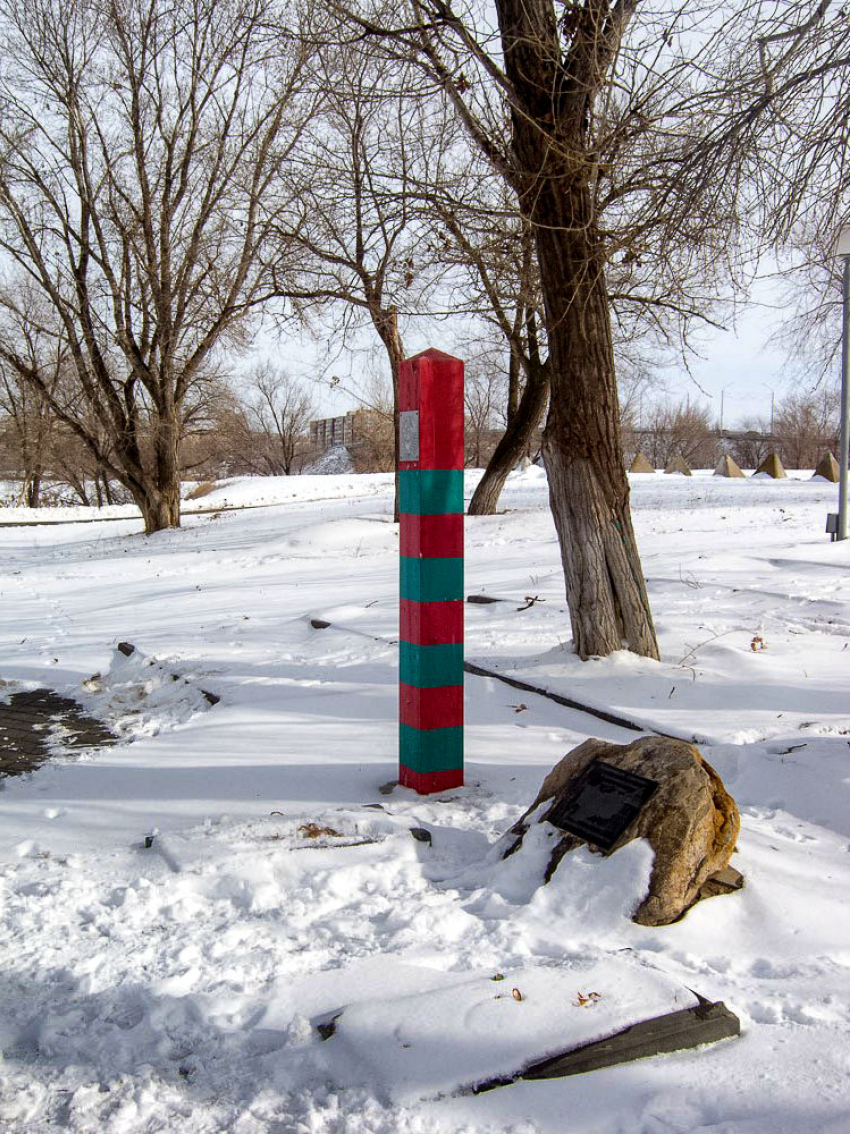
point(34, 723)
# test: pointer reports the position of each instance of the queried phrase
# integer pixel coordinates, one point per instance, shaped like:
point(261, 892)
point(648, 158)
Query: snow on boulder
point(690, 822)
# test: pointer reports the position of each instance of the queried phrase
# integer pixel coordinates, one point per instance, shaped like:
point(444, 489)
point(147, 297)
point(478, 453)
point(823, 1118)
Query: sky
point(744, 367)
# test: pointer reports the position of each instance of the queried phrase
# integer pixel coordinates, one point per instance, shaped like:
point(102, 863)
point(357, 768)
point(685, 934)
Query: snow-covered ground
point(177, 987)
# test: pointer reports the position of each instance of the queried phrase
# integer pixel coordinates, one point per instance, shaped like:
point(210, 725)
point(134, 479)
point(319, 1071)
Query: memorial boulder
point(656, 788)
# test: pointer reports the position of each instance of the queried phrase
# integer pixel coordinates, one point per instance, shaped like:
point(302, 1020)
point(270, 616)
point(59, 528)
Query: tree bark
point(553, 171)
point(386, 324)
point(158, 512)
point(513, 387)
point(159, 496)
point(513, 444)
point(582, 446)
point(33, 490)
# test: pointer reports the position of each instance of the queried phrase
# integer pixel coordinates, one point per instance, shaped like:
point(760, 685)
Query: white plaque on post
point(408, 435)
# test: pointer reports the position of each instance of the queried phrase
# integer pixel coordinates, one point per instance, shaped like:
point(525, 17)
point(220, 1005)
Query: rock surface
point(641, 465)
point(772, 466)
point(679, 465)
point(727, 467)
point(691, 822)
point(828, 468)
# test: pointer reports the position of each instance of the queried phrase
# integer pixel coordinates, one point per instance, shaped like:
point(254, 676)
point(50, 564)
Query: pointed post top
point(433, 353)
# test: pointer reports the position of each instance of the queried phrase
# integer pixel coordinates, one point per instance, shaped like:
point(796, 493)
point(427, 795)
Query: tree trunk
point(553, 171)
point(513, 444)
point(159, 511)
point(513, 387)
point(33, 490)
point(588, 485)
point(159, 497)
point(386, 324)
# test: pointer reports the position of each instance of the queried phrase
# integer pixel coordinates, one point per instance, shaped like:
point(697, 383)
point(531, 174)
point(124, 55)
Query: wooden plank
point(706, 1022)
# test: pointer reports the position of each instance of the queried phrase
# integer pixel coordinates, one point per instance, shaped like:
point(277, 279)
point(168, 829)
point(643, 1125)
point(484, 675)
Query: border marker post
point(430, 462)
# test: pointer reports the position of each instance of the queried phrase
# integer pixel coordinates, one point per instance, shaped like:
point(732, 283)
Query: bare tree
point(806, 424)
point(483, 391)
point(360, 232)
point(490, 247)
point(791, 98)
point(216, 438)
point(638, 382)
point(808, 280)
point(753, 443)
point(783, 126)
point(141, 144)
point(374, 427)
point(72, 465)
point(26, 433)
point(279, 413)
point(591, 113)
point(677, 429)
point(48, 449)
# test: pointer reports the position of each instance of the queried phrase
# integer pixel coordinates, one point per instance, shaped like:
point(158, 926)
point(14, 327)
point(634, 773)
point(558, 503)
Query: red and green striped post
point(431, 606)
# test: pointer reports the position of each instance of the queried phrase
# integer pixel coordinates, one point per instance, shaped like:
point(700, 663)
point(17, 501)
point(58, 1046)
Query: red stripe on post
point(408, 385)
point(431, 623)
point(427, 782)
point(432, 537)
point(438, 707)
point(442, 411)
point(432, 383)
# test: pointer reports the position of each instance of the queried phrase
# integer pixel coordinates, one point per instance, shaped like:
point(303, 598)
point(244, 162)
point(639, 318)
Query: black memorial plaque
point(603, 803)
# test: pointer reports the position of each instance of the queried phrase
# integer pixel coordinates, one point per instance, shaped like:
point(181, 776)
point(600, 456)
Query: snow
point(176, 987)
point(336, 460)
point(401, 1044)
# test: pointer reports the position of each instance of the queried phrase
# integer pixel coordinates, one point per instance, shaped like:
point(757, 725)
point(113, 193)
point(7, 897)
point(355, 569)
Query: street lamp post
point(728, 386)
point(772, 404)
point(843, 250)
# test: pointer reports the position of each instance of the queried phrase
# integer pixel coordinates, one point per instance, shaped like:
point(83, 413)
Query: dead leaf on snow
point(314, 831)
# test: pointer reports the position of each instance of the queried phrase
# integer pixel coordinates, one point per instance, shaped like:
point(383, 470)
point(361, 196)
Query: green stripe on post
point(430, 666)
point(429, 492)
point(431, 749)
point(431, 580)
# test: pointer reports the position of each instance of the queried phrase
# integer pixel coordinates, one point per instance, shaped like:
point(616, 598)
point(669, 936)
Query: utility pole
point(843, 250)
point(772, 404)
point(723, 402)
